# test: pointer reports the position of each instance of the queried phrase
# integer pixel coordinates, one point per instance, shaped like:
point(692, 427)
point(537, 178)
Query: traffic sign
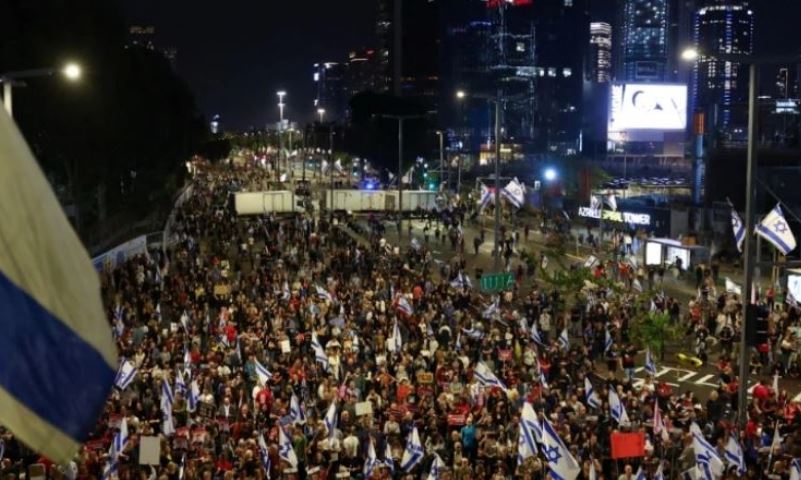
point(495, 282)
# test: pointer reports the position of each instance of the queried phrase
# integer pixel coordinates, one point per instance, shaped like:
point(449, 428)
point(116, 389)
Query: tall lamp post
point(281, 94)
point(70, 71)
point(400, 119)
point(460, 96)
point(441, 136)
point(754, 63)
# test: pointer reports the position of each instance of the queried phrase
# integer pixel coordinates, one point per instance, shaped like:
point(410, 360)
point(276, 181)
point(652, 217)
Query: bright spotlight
point(72, 71)
point(690, 55)
point(550, 174)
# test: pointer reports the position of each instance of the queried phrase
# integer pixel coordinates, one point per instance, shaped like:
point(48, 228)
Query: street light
point(550, 174)
point(690, 54)
point(71, 71)
point(460, 94)
point(321, 112)
point(281, 94)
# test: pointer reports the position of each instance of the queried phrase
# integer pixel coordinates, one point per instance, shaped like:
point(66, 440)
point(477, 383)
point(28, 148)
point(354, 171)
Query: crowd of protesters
point(232, 294)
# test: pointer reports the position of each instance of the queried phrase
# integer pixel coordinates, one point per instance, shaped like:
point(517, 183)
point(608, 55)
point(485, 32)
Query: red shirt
point(761, 392)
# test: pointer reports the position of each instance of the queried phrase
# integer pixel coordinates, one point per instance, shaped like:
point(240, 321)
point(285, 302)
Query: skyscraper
point(600, 59)
point(643, 41)
point(720, 88)
point(331, 91)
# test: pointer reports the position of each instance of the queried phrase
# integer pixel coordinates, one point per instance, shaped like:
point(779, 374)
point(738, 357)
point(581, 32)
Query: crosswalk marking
point(687, 376)
point(702, 380)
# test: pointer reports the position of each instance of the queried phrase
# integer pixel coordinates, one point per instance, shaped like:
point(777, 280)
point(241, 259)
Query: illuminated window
point(551, 72)
point(521, 47)
point(567, 72)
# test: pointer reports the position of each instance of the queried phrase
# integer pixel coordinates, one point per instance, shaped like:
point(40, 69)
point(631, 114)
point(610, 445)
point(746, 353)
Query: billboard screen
point(647, 106)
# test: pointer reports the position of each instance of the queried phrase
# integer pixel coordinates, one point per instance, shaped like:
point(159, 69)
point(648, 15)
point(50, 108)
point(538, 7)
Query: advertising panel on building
point(636, 106)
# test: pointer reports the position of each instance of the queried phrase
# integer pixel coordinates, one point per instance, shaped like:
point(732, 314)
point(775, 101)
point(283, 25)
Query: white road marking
point(687, 376)
point(702, 380)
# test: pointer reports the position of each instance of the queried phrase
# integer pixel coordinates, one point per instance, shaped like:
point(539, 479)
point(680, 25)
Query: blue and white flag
point(194, 396)
point(414, 452)
point(738, 228)
point(180, 384)
point(319, 354)
point(795, 469)
point(185, 321)
point(608, 342)
point(285, 293)
point(55, 329)
point(117, 446)
point(262, 373)
point(485, 376)
point(660, 474)
point(167, 424)
point(436, 468)
point(372, 460)
point(564, 339)
point(389, 462)
point(590, 394)
point(707, 458)
point(330, 419)
point(640, 475)
point(473, 333)
point(650, 365)
point(514, 192)
point(527, 443)
point(125, 375)
point(323, 294)
point(492, 309)
point(617, 409)
point(285, 450)
point(560, 461)
point(296, 411)
point(264, 453)
point(487, 196)
point(734, 455)
point(534, 333)
point(774, 228)
point(404, 306)
point(461, 281)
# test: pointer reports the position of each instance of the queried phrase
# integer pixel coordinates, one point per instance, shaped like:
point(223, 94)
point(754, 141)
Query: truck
point(379, 200)
point(259, 203)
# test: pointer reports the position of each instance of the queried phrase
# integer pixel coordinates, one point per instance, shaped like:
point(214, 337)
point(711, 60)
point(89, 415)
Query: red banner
point(627, 445)
point(457, 419)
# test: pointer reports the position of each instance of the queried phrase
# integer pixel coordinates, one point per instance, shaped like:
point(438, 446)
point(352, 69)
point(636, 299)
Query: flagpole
point(748, 262)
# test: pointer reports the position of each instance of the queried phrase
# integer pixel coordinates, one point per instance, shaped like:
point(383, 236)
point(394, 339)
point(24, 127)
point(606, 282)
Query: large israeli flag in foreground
point(774, 228)
point(56, 350)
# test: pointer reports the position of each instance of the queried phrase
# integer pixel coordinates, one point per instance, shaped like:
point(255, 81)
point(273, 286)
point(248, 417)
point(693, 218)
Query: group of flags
point(514, 192)
point(773, 228)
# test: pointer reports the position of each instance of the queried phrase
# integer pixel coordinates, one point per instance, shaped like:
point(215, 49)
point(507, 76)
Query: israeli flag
point(611, 201)
point(117, 447)
point(264, 453)
point(590, 394)
point(590, 262)
point(404, 306)
point(650, 365)
point(660, 474)
point(187, 357)
point(167, 425)
point(527, 443)
point(640, 475)
point(413, 454)
point(262, 373)
point(595, 202)
point(774, 228)
point(185, 321)
point(180, 384)
point(487, 196)
point(734, 455)
point(560, 461)
point(535, 334)
point(543, 380)
point(395, 341)
point(795, 469)
point(194, 396)
point(473, 333)
point(738, 228)
point(436, 468)
point(513, 191)
point(125, 375)
point(372, 460)
point(330, 419)
point(296, 410)
point(608, 342)
point(485, 376)
point(50, 298)
point(323, 294)
point(617, 409)
point(492, 309)
point(659, 425)
point(285, 293)
point(319, 354)
point(707, 459)
point(389, 462)
point(285, 450)
point(564, 340)
point(461, 281)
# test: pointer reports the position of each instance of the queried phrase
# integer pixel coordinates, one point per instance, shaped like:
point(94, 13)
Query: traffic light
point(756, 325)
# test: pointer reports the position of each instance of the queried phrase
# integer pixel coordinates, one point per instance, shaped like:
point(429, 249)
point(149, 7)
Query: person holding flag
point(617, 410)
point(413, 453)
point(590, 395)
point(562, 464)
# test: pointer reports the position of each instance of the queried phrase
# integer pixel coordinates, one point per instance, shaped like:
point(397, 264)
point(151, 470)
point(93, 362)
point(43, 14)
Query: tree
point(653, 330)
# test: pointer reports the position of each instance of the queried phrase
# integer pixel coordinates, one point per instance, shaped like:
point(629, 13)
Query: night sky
point(236, 54)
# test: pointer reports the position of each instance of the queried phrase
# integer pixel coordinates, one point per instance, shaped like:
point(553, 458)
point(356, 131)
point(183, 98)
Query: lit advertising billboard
point(647, 106)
